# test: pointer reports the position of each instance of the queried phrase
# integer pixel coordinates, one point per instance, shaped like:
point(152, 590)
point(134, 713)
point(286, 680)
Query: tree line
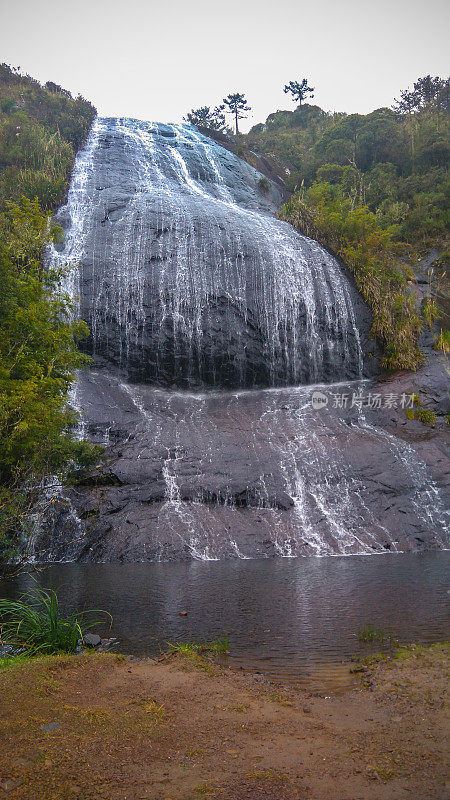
point(236, 105)
point(374, 189)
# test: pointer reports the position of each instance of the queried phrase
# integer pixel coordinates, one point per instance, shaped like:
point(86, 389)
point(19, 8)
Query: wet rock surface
point(186, 276)
point(249, 475)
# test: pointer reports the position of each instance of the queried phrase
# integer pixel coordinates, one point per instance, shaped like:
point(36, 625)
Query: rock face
point(246, 474)
point(188, 281)
point(187, 278)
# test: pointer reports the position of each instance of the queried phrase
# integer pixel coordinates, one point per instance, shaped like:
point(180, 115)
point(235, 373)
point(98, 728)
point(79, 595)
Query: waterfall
point(212, 323)
point(187, 278)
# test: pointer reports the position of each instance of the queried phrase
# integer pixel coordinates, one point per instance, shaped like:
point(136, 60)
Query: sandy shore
point(105, 727)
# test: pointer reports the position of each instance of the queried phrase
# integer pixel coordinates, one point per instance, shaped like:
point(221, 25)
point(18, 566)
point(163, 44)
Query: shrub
point(264, 185)
point(425, 415)
point(335, 216)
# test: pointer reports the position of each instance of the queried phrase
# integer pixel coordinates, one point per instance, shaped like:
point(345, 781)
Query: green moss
point(418, 412)
point(371, 634)
point(426, 416)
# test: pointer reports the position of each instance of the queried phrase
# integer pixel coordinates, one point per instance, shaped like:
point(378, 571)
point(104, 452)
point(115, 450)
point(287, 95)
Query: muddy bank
point(107, 727)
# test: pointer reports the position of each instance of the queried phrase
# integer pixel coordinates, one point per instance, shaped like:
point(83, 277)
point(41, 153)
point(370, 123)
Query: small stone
point(92, 640)
point(107, 643)
point(49, 727)
point(182, 613)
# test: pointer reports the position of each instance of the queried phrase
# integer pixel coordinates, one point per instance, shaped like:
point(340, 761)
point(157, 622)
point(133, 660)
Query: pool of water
point(294, 620)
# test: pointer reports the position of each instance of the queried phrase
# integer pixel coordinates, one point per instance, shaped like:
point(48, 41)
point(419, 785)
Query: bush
point(41, 128)
point(430, 311)
point(264, 185)
point(335, 215)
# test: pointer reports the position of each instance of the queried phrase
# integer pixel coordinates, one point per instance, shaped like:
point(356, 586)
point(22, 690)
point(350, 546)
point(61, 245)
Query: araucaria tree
point(236, 105)
point(205, 118)
point(299, 91)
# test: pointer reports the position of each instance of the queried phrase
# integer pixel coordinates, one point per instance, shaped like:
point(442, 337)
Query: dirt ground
point(105, 727)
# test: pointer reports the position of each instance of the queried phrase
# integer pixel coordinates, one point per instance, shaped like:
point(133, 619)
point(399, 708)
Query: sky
point(157, 60)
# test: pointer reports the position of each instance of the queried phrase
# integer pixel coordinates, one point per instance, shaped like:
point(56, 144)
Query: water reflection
point(295, 620)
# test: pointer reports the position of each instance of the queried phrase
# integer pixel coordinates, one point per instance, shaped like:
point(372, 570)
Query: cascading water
point(188, 281)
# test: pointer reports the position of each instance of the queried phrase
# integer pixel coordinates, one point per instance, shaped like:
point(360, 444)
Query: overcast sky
point(156, 60)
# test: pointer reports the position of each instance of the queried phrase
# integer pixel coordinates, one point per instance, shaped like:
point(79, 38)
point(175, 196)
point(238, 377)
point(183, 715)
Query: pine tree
point(299, 91)
point(236, 105)
point(205, 118)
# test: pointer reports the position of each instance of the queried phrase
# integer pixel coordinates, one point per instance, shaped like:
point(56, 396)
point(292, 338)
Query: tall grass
point(35, 624)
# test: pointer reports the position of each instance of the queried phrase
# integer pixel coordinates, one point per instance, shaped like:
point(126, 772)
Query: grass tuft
point(34, 624)
point(371, 634)
point(221, 644)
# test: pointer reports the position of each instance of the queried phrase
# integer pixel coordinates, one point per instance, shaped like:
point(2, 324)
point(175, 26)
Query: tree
point(205, 118)
point(429, 95)
point(299, 91)
point(236, 105)
point(38, 358)
point(428, 92)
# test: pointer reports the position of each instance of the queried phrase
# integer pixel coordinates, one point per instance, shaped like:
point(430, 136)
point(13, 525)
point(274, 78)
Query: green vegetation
point(373, 189)
point(198, 654)
point(333, 214)
point(430, 311)
point(418, 412)
point(371, 634)
point(400, 153)
point(34, 624)
point(221, 644)
point(443, 342)
point(40, 129)
point(204, 117)
point(263, 185)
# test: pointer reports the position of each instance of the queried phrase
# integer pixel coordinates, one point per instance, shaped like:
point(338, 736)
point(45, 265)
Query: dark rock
point(194, 281)
point(92, 640)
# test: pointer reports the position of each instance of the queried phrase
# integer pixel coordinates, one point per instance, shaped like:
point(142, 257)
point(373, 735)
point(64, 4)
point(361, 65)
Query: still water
point(294, 620)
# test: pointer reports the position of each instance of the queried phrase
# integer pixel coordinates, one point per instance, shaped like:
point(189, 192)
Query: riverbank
point(108, 726)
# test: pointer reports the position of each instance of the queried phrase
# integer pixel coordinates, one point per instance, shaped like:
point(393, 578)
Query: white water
point(184, 265)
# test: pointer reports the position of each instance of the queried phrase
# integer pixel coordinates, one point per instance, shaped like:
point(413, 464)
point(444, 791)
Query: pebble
point(50, 727)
